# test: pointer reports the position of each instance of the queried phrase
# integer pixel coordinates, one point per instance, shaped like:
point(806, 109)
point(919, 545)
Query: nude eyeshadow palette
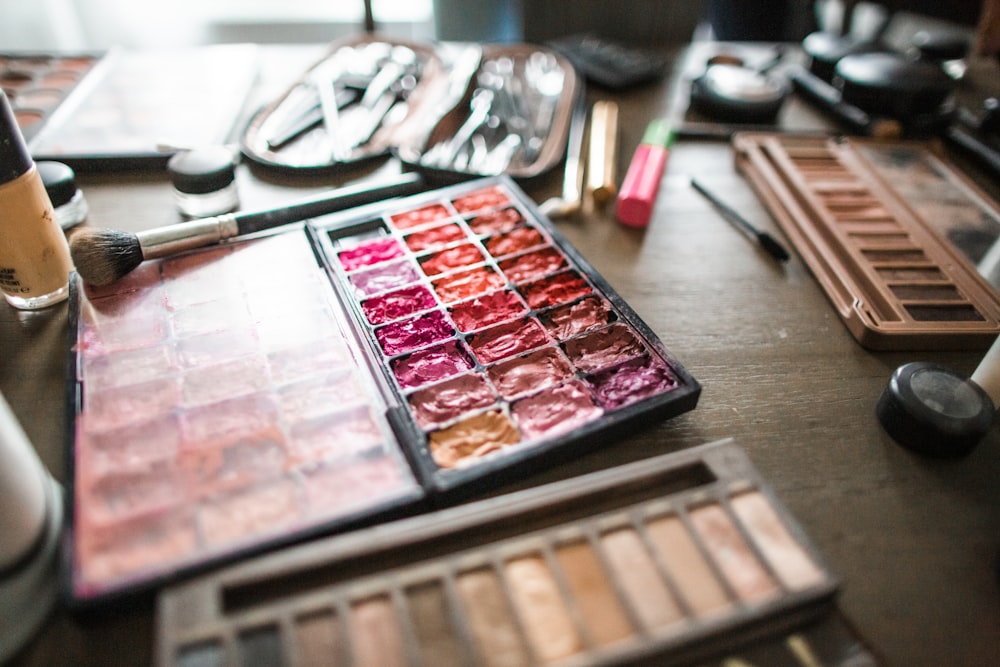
point(37, 84)
point(359, 366)
point(678, 559)
point(901, 241)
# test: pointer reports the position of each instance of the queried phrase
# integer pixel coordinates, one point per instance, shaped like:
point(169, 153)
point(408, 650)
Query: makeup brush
point(766, 241)
point(103, 256)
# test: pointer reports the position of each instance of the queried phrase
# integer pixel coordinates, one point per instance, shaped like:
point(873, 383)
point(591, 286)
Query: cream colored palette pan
point(678, 557)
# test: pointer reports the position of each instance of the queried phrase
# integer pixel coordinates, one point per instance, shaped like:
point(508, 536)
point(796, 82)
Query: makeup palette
point(680, 557)
point(36, 84)
point(125, 104)
point(903, 244)
point(364, 365)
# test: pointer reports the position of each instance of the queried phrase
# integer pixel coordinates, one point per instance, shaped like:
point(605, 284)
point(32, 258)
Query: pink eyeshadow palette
point(216, 414)
point(502, 346)
point(684, 558)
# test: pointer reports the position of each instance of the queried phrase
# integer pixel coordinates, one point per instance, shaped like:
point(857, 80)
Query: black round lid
point(941, 45)
point(202, 170)
point(893, 72)
point(14, 157)
point(825, 49)
point(59, 180)
point(934, 410)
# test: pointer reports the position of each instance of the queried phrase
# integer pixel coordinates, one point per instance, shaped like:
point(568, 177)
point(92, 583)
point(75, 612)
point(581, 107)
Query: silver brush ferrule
point(164, 241)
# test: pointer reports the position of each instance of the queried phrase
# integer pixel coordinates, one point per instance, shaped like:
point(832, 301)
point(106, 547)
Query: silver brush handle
point(164, 241)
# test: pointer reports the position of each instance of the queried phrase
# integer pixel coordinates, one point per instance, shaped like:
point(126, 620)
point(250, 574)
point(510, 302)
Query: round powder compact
point(204, 181)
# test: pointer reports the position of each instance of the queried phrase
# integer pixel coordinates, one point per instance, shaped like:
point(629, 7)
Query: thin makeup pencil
point(766, 241)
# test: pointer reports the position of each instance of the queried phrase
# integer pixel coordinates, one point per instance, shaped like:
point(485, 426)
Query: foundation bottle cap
point(14, 157)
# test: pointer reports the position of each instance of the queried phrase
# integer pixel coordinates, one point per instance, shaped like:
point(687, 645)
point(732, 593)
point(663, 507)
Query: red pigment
point(486, 310)
point(574, 318)
point(400, 337)
point(487, 197)
point(506, 340)
point(503, 220)
point(554, 290)
point(419, 217)
point(516, 240)
point(452, 258)
point(401, 303)
point(435, 237)
point(430, 365)
point(372, 252)
point(467, 284)
point(532, 265)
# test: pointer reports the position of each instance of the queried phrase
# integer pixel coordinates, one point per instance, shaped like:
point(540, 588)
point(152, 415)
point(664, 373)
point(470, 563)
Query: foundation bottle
point(34, 256)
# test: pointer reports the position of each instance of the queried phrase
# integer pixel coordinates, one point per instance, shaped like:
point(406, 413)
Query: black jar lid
point(59, 180)
point(202, 170)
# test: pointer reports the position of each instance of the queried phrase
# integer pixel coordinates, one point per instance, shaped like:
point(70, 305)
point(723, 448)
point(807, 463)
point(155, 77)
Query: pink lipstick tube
point(635, 202)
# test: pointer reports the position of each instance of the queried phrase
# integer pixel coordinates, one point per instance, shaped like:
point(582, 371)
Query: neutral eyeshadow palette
point(37, 84)
point(678, 558)
point(903, 244)
point(359, 366)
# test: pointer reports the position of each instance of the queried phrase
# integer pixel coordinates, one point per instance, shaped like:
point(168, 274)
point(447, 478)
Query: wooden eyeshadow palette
point(902, 243)
point(679, 557)
point(359, 366)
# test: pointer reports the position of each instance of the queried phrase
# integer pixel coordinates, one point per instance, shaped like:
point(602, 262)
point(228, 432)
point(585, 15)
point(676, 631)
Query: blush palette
point(375, 369)
point(679, 559)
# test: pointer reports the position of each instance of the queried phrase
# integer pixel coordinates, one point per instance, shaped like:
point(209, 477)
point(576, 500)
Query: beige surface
point(914, 541)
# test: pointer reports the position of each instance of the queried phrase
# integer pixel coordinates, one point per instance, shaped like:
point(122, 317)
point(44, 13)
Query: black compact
point(731, 92)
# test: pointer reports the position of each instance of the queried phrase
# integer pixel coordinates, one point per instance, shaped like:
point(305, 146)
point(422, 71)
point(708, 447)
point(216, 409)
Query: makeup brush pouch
point(452, 110)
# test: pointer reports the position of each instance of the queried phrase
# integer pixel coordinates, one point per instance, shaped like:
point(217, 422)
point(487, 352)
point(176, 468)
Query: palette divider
point(872, 313)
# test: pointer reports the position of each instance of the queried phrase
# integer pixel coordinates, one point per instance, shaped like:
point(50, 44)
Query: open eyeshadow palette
point(110, 111)
point(365, 364)
point(662, 561)
point(37, 83)
point(904, 245)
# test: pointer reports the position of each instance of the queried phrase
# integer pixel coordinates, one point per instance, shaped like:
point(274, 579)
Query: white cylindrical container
point(30, 525)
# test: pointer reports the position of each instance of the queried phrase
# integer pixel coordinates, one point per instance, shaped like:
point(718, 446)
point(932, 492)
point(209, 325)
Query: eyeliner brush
point(766, 241)
point(103, 256)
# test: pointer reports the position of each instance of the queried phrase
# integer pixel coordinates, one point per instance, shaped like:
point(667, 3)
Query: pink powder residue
point(407, 335)
point(532, 265)
point(486, 310)
point(554, 290)
point(452, 258)
point(467, 284)
point(401, 303)
point(369, 253)
point(435, 237)
point(506, 340)
point(496, 221)
point(486, 197)
point(419, 217)
point(431, 365)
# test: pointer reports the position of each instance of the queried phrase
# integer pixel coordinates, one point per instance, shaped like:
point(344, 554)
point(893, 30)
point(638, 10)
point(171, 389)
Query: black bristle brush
point(103, 256)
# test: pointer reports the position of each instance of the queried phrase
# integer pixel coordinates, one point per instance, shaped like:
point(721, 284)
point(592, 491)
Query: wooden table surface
point(915, 541)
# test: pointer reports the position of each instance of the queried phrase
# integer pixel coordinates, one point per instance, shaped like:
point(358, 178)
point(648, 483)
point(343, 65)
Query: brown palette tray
point(898, 239)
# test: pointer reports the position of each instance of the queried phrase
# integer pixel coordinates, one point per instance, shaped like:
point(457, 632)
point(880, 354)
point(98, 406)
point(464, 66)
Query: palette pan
point(670, 560)
point(386, 359)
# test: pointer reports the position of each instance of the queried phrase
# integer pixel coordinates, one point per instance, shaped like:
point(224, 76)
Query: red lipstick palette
point(388, 357)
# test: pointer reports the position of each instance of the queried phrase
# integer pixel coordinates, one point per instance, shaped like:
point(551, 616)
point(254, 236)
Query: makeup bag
point(451, 110)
